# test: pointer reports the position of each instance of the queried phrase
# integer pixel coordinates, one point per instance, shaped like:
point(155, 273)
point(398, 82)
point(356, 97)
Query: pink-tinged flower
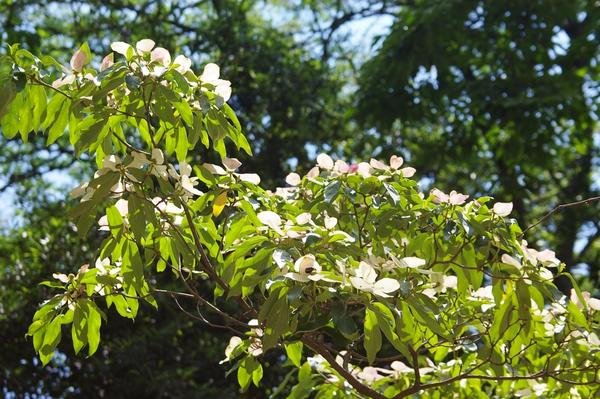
point(161, 56)
point(364, 169)
point(78, 61)
point(453, 198)
point(341, 167)
point(396, 162)
point(502, 208)
point(107, 62)
point(409, 171)
point(375, 164)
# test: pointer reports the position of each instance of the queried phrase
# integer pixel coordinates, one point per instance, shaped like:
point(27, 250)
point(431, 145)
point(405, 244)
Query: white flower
point(411, 262)
point(282, 258)
point(270, 219)
point(211, 73)
point(440, 283)
point(139, 160)
point(325, 162)
point(369, 374)
point(112, 162)
point(303, 218)
point(144, 46)
point(63, 278)
point(186, 182)
point(214, 169)
point(255, 348)
point(509, 260)
point(293, 179)
point(590, 302)
point(182, 64)
point(232, 164)
point(366, 280)
point(123, 208)
point(330, 222)
point(83, 190)
point(158, 156)
point(120, 47)
point(234, 342)
point(485, 294)
point(502, 208)
point(307, 265)
point(364, 169)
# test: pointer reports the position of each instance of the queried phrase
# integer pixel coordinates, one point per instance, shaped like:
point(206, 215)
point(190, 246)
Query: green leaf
point(275, 314)
point(332, 190)
point(372, 340)
point(294, 352)
point(94, 320)
point(342, 322)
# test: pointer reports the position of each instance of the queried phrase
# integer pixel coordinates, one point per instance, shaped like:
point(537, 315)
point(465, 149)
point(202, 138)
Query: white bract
point(365, 279)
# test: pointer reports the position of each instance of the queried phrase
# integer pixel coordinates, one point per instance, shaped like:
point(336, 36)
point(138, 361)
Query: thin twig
point(558, 208)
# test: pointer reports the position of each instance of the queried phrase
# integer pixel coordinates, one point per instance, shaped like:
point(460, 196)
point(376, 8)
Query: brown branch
point(322, 350)
point(558, 208)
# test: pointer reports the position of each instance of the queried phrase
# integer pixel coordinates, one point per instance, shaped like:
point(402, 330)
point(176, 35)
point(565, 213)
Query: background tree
point(498, 97)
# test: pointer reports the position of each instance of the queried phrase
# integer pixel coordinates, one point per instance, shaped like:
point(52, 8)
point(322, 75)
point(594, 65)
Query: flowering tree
point(372, 288)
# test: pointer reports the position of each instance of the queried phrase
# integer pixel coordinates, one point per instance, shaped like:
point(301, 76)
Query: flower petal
point(250, 178)
point(270, 219)
point(144, 46)
point(78, 61)
point(293, 179)
point(324, 161)
point(182, 63)
point(120, 47)
point(161, 55)
point(502, 208)
point(231, 164)
point(396, 161)
point(211, 73)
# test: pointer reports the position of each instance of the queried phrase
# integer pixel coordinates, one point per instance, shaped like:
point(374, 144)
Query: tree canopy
point(482, 97)
point(369, 285)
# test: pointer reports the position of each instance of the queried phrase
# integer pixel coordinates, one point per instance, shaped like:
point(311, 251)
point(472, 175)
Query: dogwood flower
point(325, 162)
point(210, 75)
point(411, 262)
point(365, 279)
point(588, 301)
point(293, 179)
point(234, 342)
point(231, 165)
point(78, 61)
point(123, 208)
point(502, 208)
point(186, 182)
point(453, 198)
